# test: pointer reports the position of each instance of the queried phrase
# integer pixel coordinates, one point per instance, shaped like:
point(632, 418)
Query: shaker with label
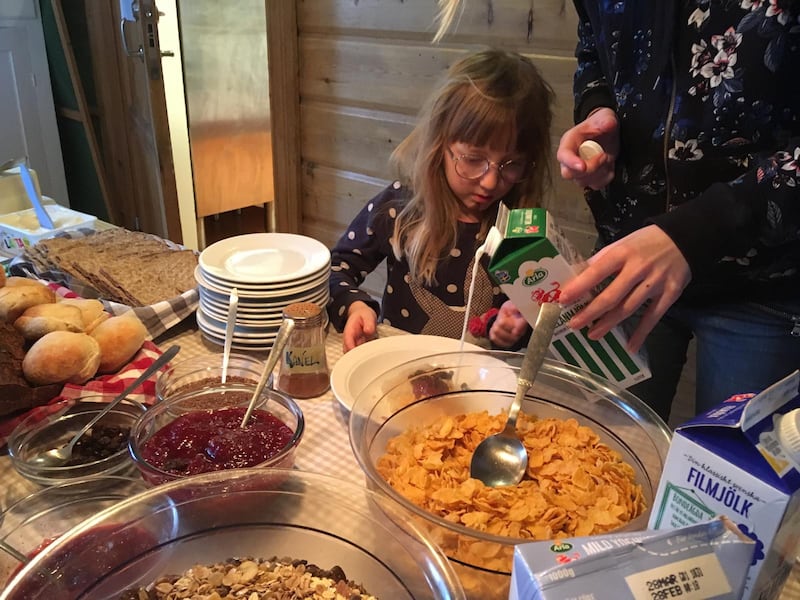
point(303, 371)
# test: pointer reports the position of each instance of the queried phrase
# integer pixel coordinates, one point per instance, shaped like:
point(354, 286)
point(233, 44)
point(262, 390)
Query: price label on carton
point(697, 578)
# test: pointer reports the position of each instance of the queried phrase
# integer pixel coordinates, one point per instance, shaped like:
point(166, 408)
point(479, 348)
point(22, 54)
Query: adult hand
point(361, 325)
point(508, 327)
point(646, 266)
point(596, 172)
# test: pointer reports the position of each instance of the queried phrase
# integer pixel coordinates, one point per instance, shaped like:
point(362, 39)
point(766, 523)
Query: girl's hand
point(646, 266)
point(508, 327)
point(596, 172)
point(361, 326)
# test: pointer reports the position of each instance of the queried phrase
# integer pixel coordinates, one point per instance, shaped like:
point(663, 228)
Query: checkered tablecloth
point(325, 447)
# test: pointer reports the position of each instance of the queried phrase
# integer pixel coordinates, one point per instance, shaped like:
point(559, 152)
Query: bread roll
point(38, 320)
point(15, 299)
point(62, 357)
point(92, 311)
point(2, 276)
point(15, 281)
point(119, 339)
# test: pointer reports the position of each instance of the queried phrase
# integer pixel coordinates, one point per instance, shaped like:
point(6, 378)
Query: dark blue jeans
point(740, 348)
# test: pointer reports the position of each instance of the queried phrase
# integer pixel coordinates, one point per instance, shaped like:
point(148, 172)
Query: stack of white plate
point(269, 271)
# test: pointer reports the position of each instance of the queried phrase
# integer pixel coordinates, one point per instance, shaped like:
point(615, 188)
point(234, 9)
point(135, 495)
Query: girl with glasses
point(482, 137)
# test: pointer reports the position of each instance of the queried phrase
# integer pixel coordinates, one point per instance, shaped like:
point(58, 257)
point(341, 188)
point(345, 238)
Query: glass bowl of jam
point(103, 450)
point(247, 533)
point(176, 439)
point(205, 372)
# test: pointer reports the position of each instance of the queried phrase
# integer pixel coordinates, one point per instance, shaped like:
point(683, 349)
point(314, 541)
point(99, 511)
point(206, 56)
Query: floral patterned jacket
point(708, 97)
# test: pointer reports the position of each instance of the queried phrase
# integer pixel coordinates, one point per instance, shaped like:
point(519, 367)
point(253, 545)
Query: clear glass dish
point(39, 433)
point(32, 523)
point(249, 513)
point(205, 371)
point(476, 381)
point(162, 413)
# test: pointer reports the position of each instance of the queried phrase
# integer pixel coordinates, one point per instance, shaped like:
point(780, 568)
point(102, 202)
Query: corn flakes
point(575, 485)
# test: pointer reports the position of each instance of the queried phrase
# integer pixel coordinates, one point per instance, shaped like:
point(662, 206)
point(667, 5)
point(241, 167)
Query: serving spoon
point(58, 456)
point(281, 338)
point(501, 459)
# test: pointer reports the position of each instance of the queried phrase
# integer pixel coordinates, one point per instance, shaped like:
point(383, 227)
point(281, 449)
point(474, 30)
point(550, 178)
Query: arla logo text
point(535, 277)
point(561, 547)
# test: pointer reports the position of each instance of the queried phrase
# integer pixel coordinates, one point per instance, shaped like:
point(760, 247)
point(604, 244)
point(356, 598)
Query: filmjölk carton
point(738, 460)
point(531, 260)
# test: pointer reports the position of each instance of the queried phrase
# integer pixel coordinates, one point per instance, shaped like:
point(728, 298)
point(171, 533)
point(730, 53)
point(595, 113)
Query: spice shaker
point(303, 371)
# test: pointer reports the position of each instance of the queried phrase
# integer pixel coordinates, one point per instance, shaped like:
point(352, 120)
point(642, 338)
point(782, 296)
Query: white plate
point(262, 287)
point(357, 368)
point(264, 257)
point(263, 305)
point(224, 291)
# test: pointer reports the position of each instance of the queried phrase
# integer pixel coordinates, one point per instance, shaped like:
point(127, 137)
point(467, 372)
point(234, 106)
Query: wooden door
point(28, 125)
point(153, 204)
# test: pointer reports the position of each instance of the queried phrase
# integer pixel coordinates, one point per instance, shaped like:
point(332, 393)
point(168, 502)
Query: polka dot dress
point(437, 309)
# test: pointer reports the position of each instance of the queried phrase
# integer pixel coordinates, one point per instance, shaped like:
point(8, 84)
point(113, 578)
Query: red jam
point(212, 440)
point(82, 561)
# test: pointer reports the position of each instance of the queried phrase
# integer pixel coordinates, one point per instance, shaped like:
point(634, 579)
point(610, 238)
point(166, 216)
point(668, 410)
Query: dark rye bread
point(130, 267)
point(16, 394)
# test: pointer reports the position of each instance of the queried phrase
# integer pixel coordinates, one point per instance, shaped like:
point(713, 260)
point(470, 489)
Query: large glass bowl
point(165, 412)
point(39, 433)
point(258, 514)
point(30, 524)
point(478, 381)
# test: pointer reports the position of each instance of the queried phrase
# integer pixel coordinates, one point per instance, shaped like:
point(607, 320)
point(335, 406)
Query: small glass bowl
point(32, 524)
point(38, 434)
point(204, 372)
point(161, 414)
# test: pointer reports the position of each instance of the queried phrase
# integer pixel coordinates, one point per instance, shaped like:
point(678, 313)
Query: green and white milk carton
point(739, 460)
point(532, 259)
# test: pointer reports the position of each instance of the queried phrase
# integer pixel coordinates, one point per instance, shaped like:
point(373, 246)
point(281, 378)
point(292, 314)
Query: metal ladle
point(281, 338)
point(501, 459)
point(58, 456)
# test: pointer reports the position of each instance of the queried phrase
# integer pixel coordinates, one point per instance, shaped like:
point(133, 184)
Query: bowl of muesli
point(595, 456)
point(250, 533)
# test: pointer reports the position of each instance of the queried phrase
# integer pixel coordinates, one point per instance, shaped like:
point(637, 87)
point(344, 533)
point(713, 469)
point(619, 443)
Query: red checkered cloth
point(108, 386)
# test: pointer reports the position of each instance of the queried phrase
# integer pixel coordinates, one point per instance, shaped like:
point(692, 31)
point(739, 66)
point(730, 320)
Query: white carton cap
point(789, 434)
point(493, 240)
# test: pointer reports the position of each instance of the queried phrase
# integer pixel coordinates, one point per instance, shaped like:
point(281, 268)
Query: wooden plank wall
point(367, 65)
point(365, 68)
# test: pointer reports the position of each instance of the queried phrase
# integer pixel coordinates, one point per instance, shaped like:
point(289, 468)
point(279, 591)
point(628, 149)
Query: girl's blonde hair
point(487, 96)
point(446, 16)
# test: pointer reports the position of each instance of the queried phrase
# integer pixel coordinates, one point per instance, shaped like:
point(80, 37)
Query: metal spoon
point(501, 459)
point(58, 456)
point(5, 547)
point(233, 307)
point(281, 338)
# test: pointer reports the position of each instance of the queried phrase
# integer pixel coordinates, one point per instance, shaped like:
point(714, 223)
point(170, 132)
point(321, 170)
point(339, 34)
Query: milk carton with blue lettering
point(531, 260)
point(741, 460)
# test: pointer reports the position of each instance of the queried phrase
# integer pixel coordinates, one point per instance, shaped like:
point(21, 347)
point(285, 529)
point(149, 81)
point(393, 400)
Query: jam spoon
point(281, 338)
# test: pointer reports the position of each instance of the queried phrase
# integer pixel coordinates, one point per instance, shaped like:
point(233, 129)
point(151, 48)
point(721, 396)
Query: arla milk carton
point(740, 460)
point(697, 562)
point(532, 259)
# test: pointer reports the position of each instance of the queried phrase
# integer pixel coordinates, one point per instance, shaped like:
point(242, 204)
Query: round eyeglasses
point(474, 167)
